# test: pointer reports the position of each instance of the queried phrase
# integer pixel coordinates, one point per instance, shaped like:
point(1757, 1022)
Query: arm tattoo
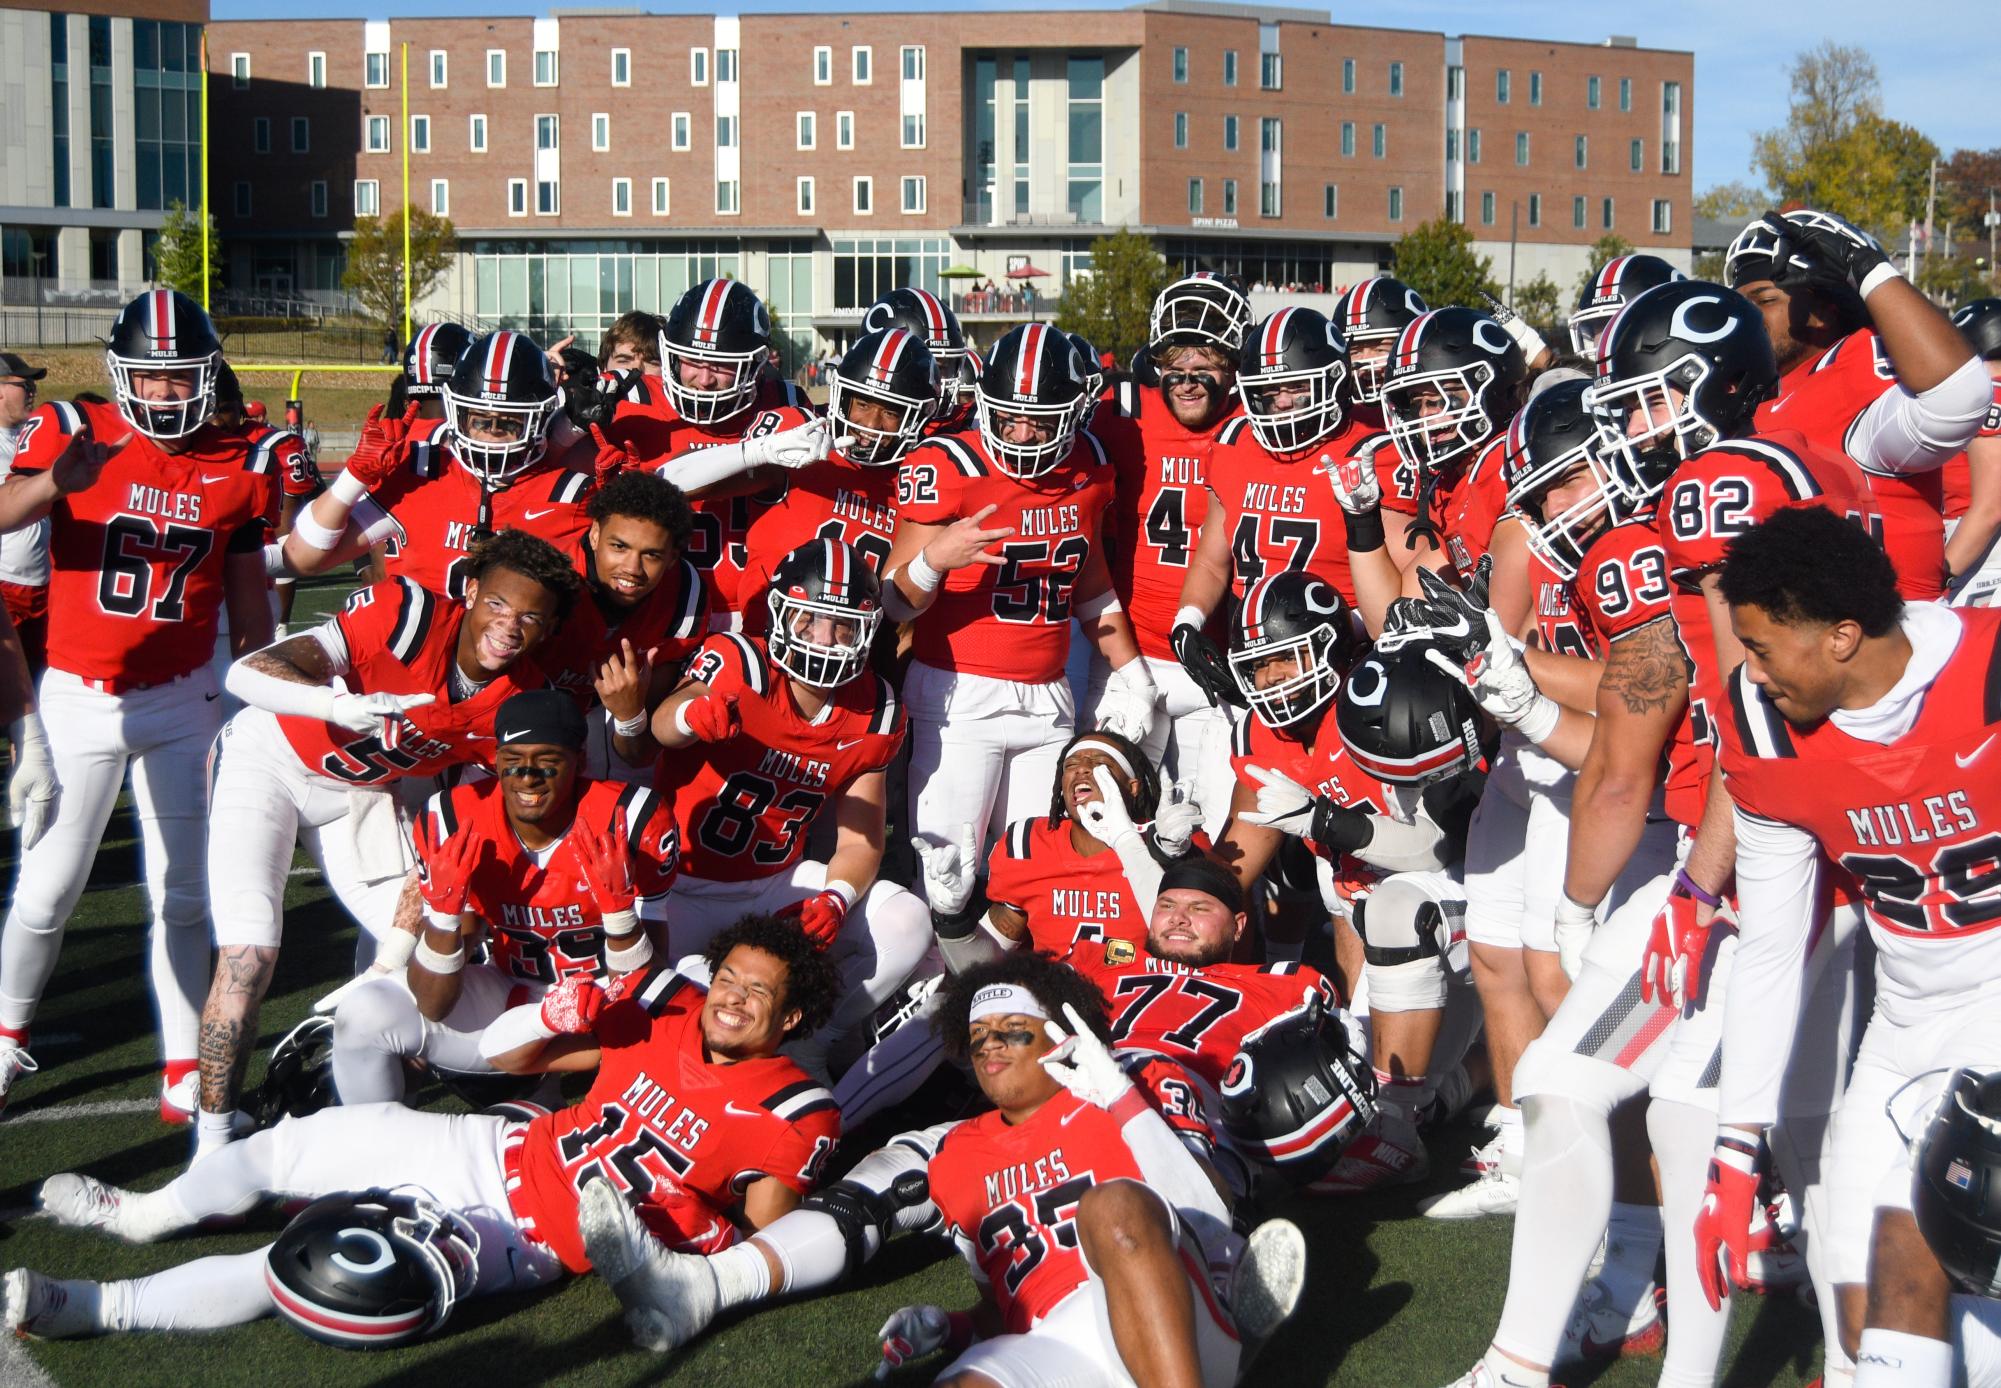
point(297, 659)
point(1647, 668)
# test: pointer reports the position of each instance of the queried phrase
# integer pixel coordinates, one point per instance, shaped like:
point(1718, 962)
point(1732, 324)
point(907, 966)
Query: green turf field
point(1391, 1300)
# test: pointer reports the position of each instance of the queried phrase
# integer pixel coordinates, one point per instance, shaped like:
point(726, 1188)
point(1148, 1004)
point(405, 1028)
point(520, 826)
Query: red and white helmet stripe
point(422, 353)
point(1271, 346)
point(499, 356)
point(934, 317)
point(888, 354)
point(1408, 340)
point(709, 321)
point(160, 321)
point(1028, 367)
point(1608, 278)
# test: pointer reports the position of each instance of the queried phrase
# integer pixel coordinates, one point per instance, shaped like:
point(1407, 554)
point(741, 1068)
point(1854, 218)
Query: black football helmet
point(1979, 322)
point(1094, 369)
point(1200, 310)
point(298, 1079)
point(1291, 614)
point(921, 312)
point(1290, 380)
point(1700, 342)
point(1548, 440)
point(1296, 1093)
point(721, 325)
point(1033, 374)
point(371, 1270)
point(891, 368)
point(1754, 251)
point(429, 357)
point(503, 387)
point(1372, 316)
point(1453, 378)
point(826, 604)
point(1623, 279)
point(1956, 1182)
point(1405, 721)
point(163, 333)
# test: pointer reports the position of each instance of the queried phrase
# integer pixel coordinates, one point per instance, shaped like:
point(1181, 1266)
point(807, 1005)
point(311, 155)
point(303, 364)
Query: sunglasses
point(1011, 1040)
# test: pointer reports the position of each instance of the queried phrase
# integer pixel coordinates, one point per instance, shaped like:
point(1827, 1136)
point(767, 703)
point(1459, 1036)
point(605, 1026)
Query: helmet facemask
point(1640, 462)
point(1059, 423)
point(1199, 313)
point(1368, 369)
point(710, 406)
point(825, 663)
point(498, 463)
point(1301, 694)
point(872, 446)
point(955, 381)
point(1587, 328)
point(1560, 540)
point(1433, 441)
point(1295, 427)
point(165, 419)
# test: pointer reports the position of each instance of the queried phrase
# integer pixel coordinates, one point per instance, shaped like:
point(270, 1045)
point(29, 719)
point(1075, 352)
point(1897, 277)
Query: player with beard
point(693, 1116)
point(546, 872)
point(400, 684)
point(1868, 367)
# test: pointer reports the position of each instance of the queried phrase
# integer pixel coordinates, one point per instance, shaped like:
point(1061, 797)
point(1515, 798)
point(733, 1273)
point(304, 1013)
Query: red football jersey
point(1068, 897)
point(401, 639)
point(1822, 399)
point(542, 923)
point(1401, 479)
point(833, 499)
point(136, 560)
point(672, 621)
point(1161, 497)
point(298, 475)
point(437, 502)
point(1281, 515)
point(1557, 620)
point(748, 803)
point(1009, 621)
point(1470, 503)
point(681, 1137)
point(1323, 767)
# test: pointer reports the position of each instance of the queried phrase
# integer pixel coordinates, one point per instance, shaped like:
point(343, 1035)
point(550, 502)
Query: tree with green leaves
point(177, 258)
point(375, 261)
point(1965, 182)
point(1732, 202)
point(1437, 259)
point(1837, 152)
point(1540, 301)
point(1111, 304)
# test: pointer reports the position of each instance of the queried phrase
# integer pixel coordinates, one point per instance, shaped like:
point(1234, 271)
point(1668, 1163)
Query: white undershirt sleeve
point(1903, 433)
point(1778, 871)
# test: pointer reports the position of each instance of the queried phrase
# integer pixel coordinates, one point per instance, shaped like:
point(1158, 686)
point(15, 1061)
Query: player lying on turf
point(693, 1116)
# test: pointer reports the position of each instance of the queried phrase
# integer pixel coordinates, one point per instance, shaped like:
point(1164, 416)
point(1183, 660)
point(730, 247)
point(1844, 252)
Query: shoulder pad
point(795, 1101)
point(1761, 729)
point(1234, 429)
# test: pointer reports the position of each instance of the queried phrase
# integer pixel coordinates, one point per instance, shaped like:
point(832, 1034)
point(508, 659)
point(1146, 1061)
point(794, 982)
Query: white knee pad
point(1547, 1068)
point(1407, 943)
point(380, 1015)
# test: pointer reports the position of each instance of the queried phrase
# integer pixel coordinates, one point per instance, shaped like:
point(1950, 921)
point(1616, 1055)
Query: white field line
point(109, 1108)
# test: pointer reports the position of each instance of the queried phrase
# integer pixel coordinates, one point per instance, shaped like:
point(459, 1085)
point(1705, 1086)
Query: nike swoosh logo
point(515, 735)
point(1073, 1113)
point(211, 698)
point(740, 1112)
point(211, 481)
point(1977, 753)
point(537, 515)
point(847, 743)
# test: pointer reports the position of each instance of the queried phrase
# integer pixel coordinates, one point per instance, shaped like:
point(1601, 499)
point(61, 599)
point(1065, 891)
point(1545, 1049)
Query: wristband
point(846, 893)
point(274, 560)
point(632, 957)
point(395, 948)
point(1736, 1151)
point(1877, 278)
point(310, 532)
point(1686, 885)
point(959, 924)
point(681, 719)
point(1538, 722)
point(1191, 616)
point(440, 963)
point(631, 727)
point(1365, 530)
point(922, 576)
point(439, 920)
point(620, 924)
point(347, 488)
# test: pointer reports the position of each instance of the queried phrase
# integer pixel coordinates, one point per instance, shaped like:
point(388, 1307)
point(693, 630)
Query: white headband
point(1098, 744)
point(1005, 1000)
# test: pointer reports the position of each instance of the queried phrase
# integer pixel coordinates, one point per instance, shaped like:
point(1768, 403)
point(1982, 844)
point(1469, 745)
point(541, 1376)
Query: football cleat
point(14, 1063)
point(1268, 1279)
point(46, 1308)
point(84, 1202)
point(1490, 1157)
point(1497, 1192)
point(1389, 1153)
point(669, 1297)
point(1775, 1263)
point(1480, 1376)
point(1601, 1329)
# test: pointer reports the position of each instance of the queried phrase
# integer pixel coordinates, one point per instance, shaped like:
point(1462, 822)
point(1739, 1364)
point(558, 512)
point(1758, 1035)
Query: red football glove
point(1673, 967)
point(379, 450)
point(712, 718)
point(606, 864)
point(819, 915)
point(444, 874)
point(612, 458)
point(571, 1006)
point(1723, 1226)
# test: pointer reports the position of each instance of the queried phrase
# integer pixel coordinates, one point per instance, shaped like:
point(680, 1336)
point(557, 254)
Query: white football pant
point(1189, 740)
point(983, 751)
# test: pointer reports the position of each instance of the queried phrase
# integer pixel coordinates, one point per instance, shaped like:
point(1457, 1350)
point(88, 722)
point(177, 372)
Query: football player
point(931, 320)
point(1618, 282)
point(1371, 315)
point(401, 683)
point(1158, 428)
point(1972, 480)
point(144, 562)
point(987, 691)
point(1867, 366)
point(693, 1116)
point(24, 553)
point(631, 343)
point(763, 736)
point(546, 872)
point(429, 359)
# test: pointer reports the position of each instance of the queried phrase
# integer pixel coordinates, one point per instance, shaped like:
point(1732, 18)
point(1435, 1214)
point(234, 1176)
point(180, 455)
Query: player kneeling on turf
point(693, 1118)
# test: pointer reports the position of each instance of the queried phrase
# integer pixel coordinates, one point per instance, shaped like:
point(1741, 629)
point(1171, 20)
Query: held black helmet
point(1623, 279)
point(1453, 379)
point(1700, 342)
point(1956, 1182)
point(1979, 322)
point(298, 1079)
point(372, 1270)
point(161, 343)
point(891, 369)
point(1754, 252)
point(429, 357)
point(503, 391)
point(1032, 400)
point(826, 604)
point(1290, 380)
point(718, 326)
point(1296, 1094)
point(1200, 310)
point(1290, 615)
point(1405, 721)
point(1372, 316)
point(921, 312)
point(1546, 443)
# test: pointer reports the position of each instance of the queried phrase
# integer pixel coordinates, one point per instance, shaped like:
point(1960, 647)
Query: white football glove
point(1082, 1065)
point(1356, 487)
point(797, 447)
point(369, 713)
point(1500, 683)
point(1283, 803)
point(1106, 818)
point(950, 871)
point(1175, 822)
point(911, 1333)
point(1129, 700)
point(33, 792)
point(1574, 924)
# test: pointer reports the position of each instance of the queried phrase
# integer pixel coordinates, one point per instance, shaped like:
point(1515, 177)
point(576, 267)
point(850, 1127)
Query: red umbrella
point(1027, 272)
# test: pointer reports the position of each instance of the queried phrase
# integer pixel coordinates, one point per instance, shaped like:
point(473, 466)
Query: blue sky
point(1933, 56)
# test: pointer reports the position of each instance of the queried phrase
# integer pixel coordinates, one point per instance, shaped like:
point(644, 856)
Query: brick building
point(594, 161)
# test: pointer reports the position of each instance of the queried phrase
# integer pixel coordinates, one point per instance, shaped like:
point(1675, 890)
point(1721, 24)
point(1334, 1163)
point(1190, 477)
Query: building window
point(496, 67)
point(804, 202)
point(1486, 209)
point(913, 193)
point(1181, 130)
point(1501, 86)
point(659, 197)
point(375, 70)
point(1347, 76)
point(1229, 197)
point(302, 134)
point(1379, 141)
point(1455, 83)
point(1591, 93)
point(441, 197)
point(823, 66)
point(1637, 155)
point(913, 131)
point(1229, 67)
point(1268, 199)
point(1535, 89)
point(1271, 134)
point(808, 130)
point(600, 131)
point(548, 132)
point(1396, 204)
point(517, 197)
point(864, 64)
point(367, 197)
point(243, 199)
point(1269, 72)
point(1348, 138)
point(1229, 132)
point(239, 76)
point(1605, 214)
point(260, 135)
point(844, 130)
point(545, 67)
point(1583, 152)
point(1535, 209)
point(1181, 65)
point(913, 63)
point(1396, 79)
point(316, 69)
point(726, 65)
point(698, 67)
point(621, 197)
point(438, 68)
point(378, 135)
point(1522, 147)
point(548, 198)
point(726, 132)
point(1194, 197)
point(476, 134)
point(1625, 93)
point(1084, 194)
point(1663, 216)
point(864, 196)
point(621, 67)
point(1473, 146)
point(1330, 202)
point(1451, 144)
point(1455, 209)
point(318, 196)
point(1580, 214)
point(679, 130)
point(420, 134)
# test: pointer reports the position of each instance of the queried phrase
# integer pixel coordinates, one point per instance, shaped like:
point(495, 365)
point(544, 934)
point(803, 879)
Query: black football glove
point(1457, 617)
point(1340, 828)
point(1206, 665)
point(1817, 257)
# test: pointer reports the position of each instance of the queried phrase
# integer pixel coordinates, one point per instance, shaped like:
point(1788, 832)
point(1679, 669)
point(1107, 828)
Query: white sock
point(1507, 1369)
point(1892, 1359)
point(1683, 1136)
point(213, 1130)
point(742, 1275)
point(206, 1294)
point(1565, 1203)
point(1632, 1246)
